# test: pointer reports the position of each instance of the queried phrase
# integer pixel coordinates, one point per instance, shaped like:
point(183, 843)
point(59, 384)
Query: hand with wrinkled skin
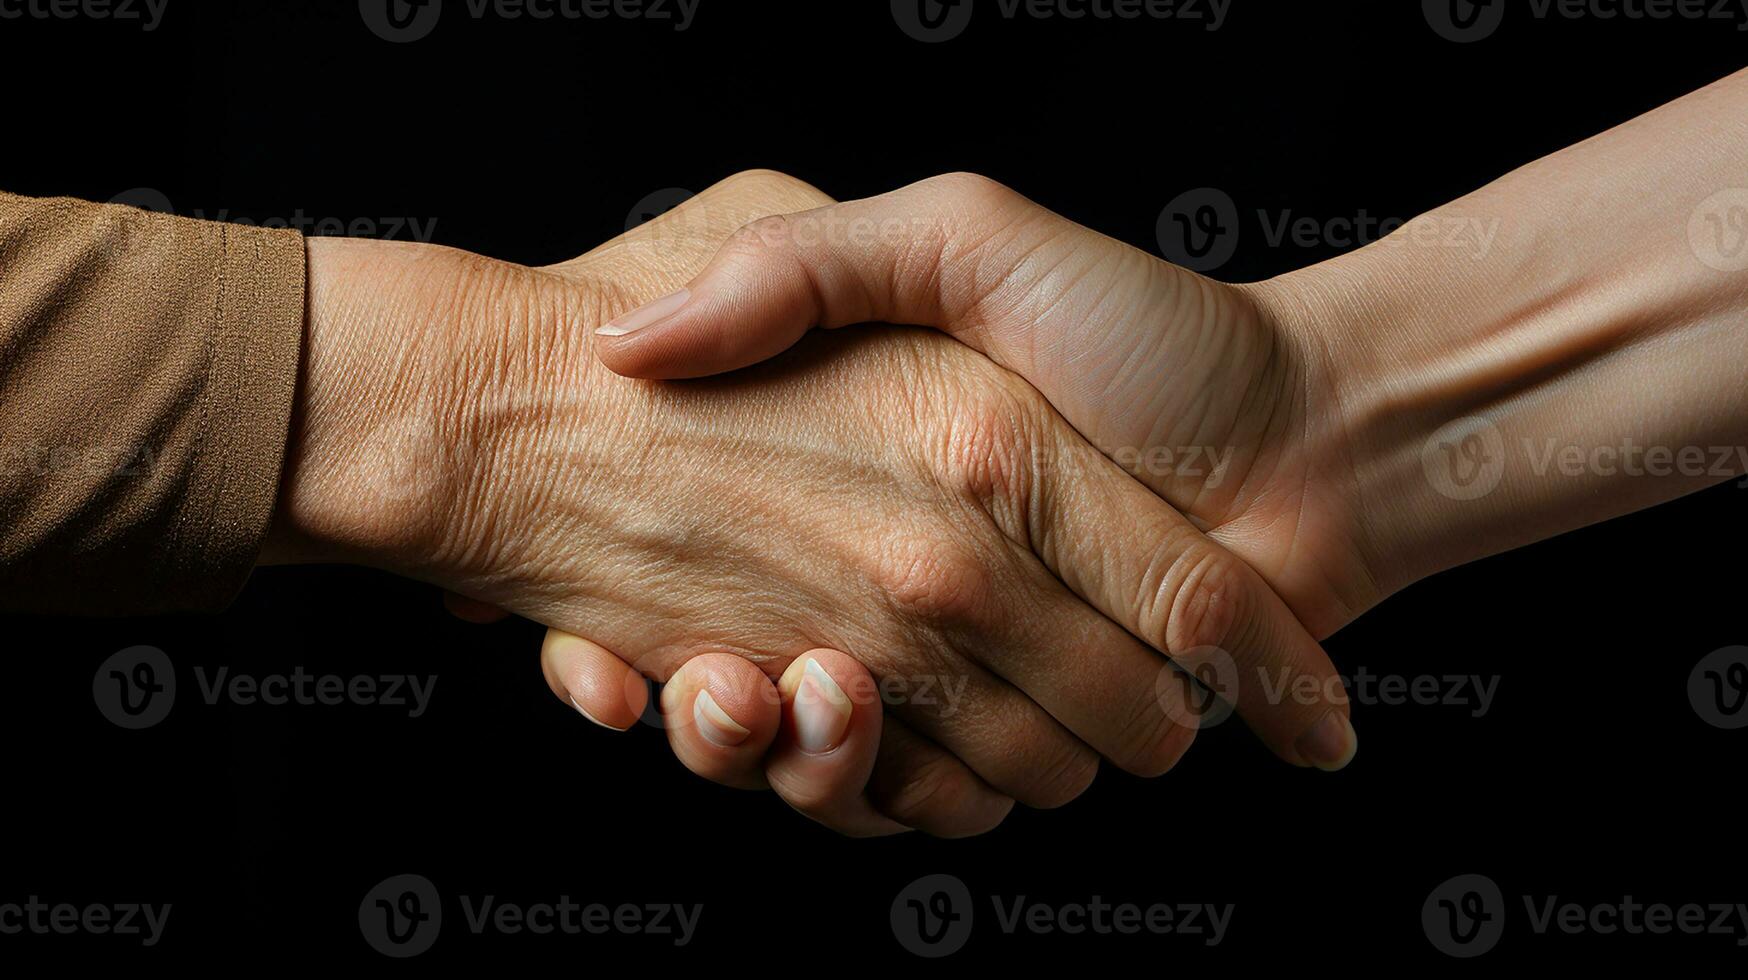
point(1381, 416)
point(893, 495)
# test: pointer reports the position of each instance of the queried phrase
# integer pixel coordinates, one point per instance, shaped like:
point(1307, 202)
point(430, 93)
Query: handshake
point(907, 576)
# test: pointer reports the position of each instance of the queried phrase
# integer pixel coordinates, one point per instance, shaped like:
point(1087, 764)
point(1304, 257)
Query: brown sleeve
point(147, 367)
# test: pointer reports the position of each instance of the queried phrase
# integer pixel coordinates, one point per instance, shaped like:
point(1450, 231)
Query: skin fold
point(893, 495)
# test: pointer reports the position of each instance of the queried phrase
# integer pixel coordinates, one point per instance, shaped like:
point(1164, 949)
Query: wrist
point(383, 426)
point(1377, 403)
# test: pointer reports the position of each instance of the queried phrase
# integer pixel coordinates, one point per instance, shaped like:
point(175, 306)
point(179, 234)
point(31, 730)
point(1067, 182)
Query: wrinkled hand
point(894, 496)
point(1213, 395)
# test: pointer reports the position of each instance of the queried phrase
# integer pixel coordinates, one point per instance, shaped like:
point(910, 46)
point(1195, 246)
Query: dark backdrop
point(1591, 776)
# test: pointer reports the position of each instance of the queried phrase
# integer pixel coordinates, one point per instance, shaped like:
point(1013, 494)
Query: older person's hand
point(892, 495)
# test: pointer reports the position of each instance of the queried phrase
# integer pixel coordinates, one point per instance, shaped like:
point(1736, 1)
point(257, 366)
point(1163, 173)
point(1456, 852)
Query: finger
point(721, 713)
point(821, 762)
point(1004, 736)
point(1090, 674)
point(921, 785)
point(1188, 596)
point(931, 254)
point(653, 258)
point(593, 680)
point(472, 610)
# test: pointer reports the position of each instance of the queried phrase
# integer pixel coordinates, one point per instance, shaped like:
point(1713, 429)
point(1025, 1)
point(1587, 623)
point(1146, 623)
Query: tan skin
point(1587, 304)
point(894, 496)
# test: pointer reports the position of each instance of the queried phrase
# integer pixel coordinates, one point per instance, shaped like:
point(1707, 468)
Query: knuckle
point(761, 184)
point(930, 579)
point(973, 190)
point(1198, 601)
point(762, 235)
point(759, 178)
point(987, 447)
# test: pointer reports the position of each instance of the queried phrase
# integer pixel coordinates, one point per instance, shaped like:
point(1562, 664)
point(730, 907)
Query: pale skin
point(895, 495)
point(1587, 304)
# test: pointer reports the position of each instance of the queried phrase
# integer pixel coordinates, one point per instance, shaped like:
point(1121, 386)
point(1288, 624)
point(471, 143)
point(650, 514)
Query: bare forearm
point(1587, 314)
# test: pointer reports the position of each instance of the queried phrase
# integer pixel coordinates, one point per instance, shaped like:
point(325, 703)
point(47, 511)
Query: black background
point(1591, 777)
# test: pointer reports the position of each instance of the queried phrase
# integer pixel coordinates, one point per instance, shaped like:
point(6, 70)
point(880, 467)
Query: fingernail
point(822, 712)
point(643, 316)
point(715, 724)
point(1330, 744)
point(585, 713)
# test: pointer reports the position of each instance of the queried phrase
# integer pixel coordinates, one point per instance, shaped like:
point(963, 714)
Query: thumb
point(928, 255)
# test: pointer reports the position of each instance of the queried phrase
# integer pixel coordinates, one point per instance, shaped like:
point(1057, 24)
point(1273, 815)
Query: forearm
point(1584, 308)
